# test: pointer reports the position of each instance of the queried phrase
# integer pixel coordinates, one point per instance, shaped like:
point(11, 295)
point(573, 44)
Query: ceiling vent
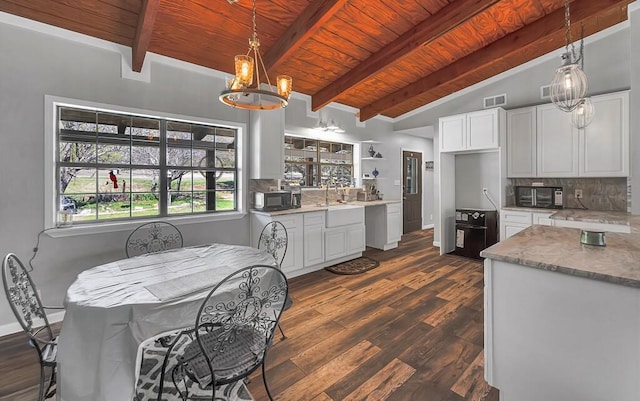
point(495, 101)
point(545, 92)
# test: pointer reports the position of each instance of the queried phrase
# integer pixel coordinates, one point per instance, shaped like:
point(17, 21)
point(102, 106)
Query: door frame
point(422, 152)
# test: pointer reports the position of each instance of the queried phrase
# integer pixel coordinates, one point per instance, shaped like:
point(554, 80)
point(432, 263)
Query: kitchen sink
point(343, 215)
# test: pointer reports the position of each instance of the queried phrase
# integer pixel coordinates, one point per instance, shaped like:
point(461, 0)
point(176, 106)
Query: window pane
point(174, 179)
point(146, 130)
point(226, 148)
point(112, 182)
point(114, 154)
point(304, 174)
point(178, 144)
point(85, 206)
point(225, 200)
point(181, 203)
point(144, 180)
point(77, 180)
point(117, 125)
point(144, 204)
point(200, 202)
point(80, 121)
point(226, 181)
point(77, 152)
point(148, 155)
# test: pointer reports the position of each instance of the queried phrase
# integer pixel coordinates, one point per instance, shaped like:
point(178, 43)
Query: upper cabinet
point(542, 142)
point(604, 144)
point(266, 144)
point(479, 130)
point(557, 141)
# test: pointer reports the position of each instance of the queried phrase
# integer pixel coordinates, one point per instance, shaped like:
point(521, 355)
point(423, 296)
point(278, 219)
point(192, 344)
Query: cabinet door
point(313, 245)
point(293, 259)
point(604, 145)
point(452, 132)
point(521, 142)
point(542, 219)
point(267, 145)
point(335, 243)
point(394, 226)
point(355, 239)
point(482, 129)
point(512, 229)
point(557, 143)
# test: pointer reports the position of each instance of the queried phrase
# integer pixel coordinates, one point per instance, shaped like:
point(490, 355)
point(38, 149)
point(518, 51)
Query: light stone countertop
point(559, 249)
point(591, 216)
point(319, 208)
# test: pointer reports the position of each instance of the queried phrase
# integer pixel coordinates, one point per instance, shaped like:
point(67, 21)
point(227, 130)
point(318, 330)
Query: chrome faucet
point(326, 190)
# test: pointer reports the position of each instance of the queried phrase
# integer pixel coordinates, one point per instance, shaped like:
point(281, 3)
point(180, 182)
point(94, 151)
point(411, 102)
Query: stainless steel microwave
point(269, 201)
point(542, 197)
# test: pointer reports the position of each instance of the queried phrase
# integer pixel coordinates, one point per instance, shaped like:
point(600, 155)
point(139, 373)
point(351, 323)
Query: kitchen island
point(562, 319)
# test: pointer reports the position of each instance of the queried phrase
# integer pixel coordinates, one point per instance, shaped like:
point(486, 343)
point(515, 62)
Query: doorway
point(411, 191)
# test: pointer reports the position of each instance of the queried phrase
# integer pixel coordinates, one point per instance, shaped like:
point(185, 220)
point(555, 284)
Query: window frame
point(51, 185)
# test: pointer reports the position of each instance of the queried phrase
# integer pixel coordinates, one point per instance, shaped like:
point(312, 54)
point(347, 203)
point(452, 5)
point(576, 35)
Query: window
point(313, 162)
point(112, 166)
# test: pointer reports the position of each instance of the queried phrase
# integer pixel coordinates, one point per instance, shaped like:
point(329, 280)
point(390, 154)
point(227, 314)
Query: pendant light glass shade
point(285, 84)
point(244, 70)
point(569, 85)
point(583, 114)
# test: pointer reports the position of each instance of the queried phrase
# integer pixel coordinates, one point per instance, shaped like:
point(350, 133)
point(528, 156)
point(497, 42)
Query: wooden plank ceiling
point(380, 56)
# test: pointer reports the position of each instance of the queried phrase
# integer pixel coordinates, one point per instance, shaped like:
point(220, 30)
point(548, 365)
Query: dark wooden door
point(411, 191)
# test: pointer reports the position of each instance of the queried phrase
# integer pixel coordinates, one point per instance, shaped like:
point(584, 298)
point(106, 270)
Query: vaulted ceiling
point(380, 56)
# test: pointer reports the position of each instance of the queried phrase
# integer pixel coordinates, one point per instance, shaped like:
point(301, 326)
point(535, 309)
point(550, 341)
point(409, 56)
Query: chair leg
point(41, 387)
point(264, 377)
point(282, 332)
point(52, 382)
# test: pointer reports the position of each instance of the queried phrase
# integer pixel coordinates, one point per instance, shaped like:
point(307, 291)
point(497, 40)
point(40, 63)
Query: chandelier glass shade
point(569, 85)
point(583, 114)
point(245, 90)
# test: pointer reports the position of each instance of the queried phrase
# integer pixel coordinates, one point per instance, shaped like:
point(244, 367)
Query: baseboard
point(14, 327)
point(436, 244)
point(427, 226)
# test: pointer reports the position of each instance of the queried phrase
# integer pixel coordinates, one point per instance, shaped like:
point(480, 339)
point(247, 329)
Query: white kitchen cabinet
point(267, 144)
point(355, 239)
point(542, 219)
point(479, 130)
point(557, 140)
point(335, 242)
point(383, 225)
point(313, 238)
point(512, 222)
point(542, 142)
point(604, 144)
point(293, 259)
point(521, 142)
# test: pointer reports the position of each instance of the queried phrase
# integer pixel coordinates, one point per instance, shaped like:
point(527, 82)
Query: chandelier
point(245, 90)
point(569, 85)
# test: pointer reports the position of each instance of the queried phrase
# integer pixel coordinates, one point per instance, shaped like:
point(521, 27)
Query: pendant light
point(569, 85)
point(583, 114)
point(245, 90)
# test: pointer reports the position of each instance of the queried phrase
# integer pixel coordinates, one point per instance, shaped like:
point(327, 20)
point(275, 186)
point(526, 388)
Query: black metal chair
point(274, 239)
point(153, 237)
point(233, 330)
point(26, 305)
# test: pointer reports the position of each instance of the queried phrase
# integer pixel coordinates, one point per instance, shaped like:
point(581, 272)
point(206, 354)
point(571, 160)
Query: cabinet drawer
point(315, 218)
point(509, 216)
point(287, 221)
point(393, 208)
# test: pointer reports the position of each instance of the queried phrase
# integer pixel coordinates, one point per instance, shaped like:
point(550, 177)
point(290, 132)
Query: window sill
point(84, 229)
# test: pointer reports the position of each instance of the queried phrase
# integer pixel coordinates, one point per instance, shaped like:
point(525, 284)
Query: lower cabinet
point(313, 238)
point(342, 241)
point(384, 225)
point(512, 222)
point(293, 259)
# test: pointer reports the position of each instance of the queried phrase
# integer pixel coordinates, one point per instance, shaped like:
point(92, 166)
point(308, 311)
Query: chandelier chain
point(253, 19)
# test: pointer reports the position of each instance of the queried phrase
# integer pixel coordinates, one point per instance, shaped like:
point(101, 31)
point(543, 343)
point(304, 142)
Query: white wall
point(33, 65)
point(475, 171)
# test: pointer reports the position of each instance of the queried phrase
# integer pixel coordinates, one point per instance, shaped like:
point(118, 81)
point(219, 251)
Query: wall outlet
point(578, 194)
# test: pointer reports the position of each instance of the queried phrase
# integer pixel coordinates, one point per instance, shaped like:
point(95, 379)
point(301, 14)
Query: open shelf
point(373, 158)
point(371, 141)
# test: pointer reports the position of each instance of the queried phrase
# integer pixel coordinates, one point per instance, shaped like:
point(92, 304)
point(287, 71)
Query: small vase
point(372, 152)
point(375, 172)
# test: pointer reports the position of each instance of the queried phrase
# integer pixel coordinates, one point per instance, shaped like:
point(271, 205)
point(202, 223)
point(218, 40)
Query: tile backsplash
point(608, 194)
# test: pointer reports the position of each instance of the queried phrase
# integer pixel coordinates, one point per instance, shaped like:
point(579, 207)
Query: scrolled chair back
point(153, 237)
point(23, 297)
point(275, 240)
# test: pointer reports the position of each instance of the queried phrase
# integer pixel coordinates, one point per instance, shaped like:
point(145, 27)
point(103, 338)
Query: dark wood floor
point(411, 329)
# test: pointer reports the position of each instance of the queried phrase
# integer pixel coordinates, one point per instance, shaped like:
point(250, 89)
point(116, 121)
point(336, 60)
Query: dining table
point(112, 308)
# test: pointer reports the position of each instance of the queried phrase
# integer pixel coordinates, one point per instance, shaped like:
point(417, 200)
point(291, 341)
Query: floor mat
point(355, 266)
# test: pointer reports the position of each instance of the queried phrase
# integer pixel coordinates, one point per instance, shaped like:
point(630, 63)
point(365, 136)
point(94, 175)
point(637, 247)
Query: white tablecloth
point(111, 309)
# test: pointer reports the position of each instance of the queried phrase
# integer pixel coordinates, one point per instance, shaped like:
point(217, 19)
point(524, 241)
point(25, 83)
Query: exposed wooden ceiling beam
point(425, 32)
point(308, 22)
point(146, 19)
point(493, 55)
